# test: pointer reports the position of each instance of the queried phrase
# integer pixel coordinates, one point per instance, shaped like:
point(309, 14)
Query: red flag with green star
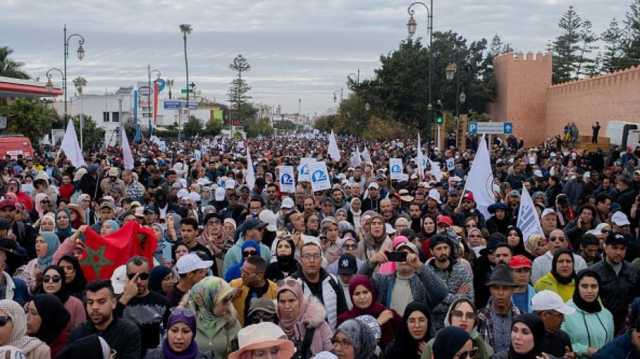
point(104, 254)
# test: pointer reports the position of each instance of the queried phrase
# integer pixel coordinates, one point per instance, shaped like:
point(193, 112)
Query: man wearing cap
point(252, 285)
point(496, 318)
point(456, 275)
point(548, 221)
point(620, 223)
point(251, 229)
point(412, 280)
point(551, 309)
point(543, 264)
point(618, 279)
point(112, 185)
point(23, 232)
point(468, 209)
point(347, 267)
point(262, 310)
point(626, 193)
point(372, 200)
point(11, 253)
point(191, 269)
point(524, 292)
point(106, 212)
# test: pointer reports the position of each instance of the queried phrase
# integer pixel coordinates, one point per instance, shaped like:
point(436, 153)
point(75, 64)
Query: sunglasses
point(249, 253)
point(4, 319)
point(553, 239)
point(469, 354)
point(141, 276)
point(51, 278)
point(461, 314)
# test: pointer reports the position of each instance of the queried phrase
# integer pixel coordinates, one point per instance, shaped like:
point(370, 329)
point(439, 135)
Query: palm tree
point(8, 67)
point(186, 30)
point(79, 82)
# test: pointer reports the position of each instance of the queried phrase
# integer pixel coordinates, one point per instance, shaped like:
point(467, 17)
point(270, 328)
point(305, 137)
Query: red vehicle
point(14, 145)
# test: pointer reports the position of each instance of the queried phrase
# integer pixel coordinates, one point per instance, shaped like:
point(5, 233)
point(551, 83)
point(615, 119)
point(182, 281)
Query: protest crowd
point(321, 246)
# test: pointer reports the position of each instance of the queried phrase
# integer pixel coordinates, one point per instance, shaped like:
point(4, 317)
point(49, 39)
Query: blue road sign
point(508, 128)
point(172, 104)
point(473, 128)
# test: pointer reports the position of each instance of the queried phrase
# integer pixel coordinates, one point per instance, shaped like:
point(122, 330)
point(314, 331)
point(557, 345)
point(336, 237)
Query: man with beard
point(454, 274)
point(121, 335)
point(252, 285)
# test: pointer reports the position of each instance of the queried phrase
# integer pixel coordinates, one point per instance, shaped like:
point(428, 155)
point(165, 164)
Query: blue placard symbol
point(318, 176)
point(395, 169)
point(286, 179)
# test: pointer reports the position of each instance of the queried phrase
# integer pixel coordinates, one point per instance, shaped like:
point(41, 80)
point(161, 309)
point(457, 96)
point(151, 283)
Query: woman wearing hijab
point(286, 263)
point(46, 245)
point(302, 319)
point(515, 241)
point(41, 206)
point(63, 224)
point(53, 282)
point(527, 334)
point(591, 326)
point(217, 327)
point(453, 343)
point(179, 342)
point(48, 320)
point(249, 248)
point(161, 280)
point(13, 331)
point(561, 278)
point(76, 215)
point(91, 347)
point(462, 314)
point(74, 278)
point(411, 341)
point(354, 340)
point(424, 236)
point(363, 296)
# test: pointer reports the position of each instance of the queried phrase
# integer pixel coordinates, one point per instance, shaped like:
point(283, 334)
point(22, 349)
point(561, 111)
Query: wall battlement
point(513, 57)
point(616, 78)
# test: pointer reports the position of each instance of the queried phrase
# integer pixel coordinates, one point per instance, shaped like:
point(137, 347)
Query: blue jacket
point(620, 348)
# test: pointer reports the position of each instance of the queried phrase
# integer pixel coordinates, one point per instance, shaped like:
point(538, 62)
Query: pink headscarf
point(288, 325)
point(39, 197)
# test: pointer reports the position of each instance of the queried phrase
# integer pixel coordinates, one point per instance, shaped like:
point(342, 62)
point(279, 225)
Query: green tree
point(237, 94)
point(192, 127)
point(587, 65)
point(8, 67)
point(632, 44)
point(92, 135)
point(572, 47)
point(286, 125)
point(261, 127)
point(79, 83)
point(29, 117)
point(213, 127)
point(614, 41)
point(498, 47)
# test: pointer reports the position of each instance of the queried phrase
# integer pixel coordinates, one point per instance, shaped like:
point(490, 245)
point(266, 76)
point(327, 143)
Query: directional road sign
point(490, 128)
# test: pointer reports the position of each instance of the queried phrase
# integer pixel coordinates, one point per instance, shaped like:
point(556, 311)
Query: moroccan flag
point(104, 254)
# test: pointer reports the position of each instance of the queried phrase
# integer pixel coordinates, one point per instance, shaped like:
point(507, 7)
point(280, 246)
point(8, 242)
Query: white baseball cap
point(434, 195)
point(620, 219)
point(191, 262)
point(119, 279)
point(270, 218)
point(287, 203)
point(548, 211)
point(548, 300)
point(230, 184)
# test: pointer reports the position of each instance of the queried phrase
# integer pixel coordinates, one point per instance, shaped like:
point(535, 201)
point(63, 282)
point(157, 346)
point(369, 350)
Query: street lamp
point(411, 28)
point(50, 75)
point(450, 71)
point(80, 53)
point(158, 74)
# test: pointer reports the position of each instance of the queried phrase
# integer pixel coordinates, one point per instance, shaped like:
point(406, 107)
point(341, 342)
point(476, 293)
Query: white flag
point(366, 157)
point(420, 158)
point(480, 179)
point(127, 156)
point(71, 147)
point(528, 220)
point(333, 150)
point(287, 180)
point(435, 170)
point(355, 158)
point(250, 176)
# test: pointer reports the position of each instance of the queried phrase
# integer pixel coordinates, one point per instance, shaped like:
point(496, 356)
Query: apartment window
point(115, 116)
point(105, 116)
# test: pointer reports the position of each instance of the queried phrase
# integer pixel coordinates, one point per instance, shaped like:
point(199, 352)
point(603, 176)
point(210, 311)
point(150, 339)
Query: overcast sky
point(297, 49)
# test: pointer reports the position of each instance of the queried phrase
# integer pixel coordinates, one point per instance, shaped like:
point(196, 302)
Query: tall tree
point(498, 47)
point(614, 41)
point(567, 46)
point(79, 83)
point(586, 65)
point(8, 67)
point(237, 94)
point(632, 45)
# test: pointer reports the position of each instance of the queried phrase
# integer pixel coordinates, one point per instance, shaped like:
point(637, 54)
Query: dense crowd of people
point(369, 268)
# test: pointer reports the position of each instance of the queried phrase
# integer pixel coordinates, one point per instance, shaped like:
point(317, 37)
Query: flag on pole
point(355, 159)
point(366, 157)
point(71, 147)
point(250, 177)
point(333, 150)
point(435, 170)
point(127, 156)
point(480, 179)
point(528, 220)
point(420, 158)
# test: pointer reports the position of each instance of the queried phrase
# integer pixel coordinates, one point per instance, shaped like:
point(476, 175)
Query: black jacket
point(121, 335)
point(617, 291)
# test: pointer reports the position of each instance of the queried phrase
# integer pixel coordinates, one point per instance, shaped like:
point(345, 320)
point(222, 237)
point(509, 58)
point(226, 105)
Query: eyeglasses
point(141, 276)
point(469, 354)
point(51, 278)
point(461, 314)
point(249, 253)
point(4, 319)
point(314, 257)
point(557, 238)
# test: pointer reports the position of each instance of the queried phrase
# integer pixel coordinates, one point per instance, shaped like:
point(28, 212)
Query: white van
point(618, 131)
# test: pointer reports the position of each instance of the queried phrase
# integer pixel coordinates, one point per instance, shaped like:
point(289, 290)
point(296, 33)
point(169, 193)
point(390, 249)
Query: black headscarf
point(63, 293)
point(157, 275)
point(54, 317)
point(86, 348)
point(593, 307)
point(287, 263)
point(405, 346)
point(536, 326)
point(76, 287)
point(554, 267)
point(519, 248)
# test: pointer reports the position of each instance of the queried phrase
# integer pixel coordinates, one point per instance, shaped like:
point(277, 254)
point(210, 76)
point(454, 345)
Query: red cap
point(7, 203)
point(444, 219)
point(468, 196)
point(520, 261)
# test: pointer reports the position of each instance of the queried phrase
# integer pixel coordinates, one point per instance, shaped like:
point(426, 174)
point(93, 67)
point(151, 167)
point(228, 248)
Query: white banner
point(395, 169)
point(480, 179)
point(319, 177)
point(435, 170)
point(250, 176)
point(287, 180)
point(333, 150)
point(355, 159)
point(420, 159)
point(304, 169)
point(127, 156)
point(528, 220)
point(71, 147)
point(366, 157)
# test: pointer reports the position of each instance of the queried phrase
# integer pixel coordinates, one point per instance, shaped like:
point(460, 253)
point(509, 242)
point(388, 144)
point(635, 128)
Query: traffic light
point(439, 117)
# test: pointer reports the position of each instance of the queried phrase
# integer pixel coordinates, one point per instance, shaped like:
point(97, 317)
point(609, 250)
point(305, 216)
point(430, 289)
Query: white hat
point(620, 219)
point(204, 181)
point(220, 194)
point(434, 195)
point(183, 193)
point(191, 262)
point(262, 336)
point(139, 212)
point(538, 173)
point(601, 227)
point(373, 185)
point(195, 196)
point(119, 279)
point(548, 300)
point(230, 184)
point(287, 203)
point(548, 211)
point(325, 355)
point(270, 218)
